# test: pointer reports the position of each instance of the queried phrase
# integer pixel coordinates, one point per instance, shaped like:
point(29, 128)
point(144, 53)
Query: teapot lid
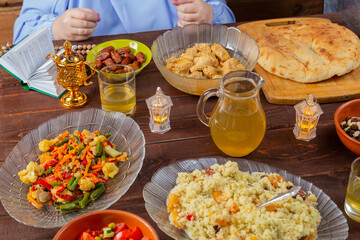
point(69, 57)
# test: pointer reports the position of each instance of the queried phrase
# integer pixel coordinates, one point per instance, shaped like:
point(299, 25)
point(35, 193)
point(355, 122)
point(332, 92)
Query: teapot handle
point(51, 56)
point(92, 72)
point(200, 108)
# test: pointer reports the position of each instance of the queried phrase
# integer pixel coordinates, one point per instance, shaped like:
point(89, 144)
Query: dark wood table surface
point(324, 161)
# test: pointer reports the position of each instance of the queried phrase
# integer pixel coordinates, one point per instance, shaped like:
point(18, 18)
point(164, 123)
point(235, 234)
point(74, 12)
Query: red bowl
point(99, 219)
point(348, 109)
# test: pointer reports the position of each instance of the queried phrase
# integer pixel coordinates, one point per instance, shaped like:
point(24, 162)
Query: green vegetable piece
point(77, 139)
point(103, 157)
point(50, 170)
point(85, 200)
point(70, 181)
point(62, 142)
point(77, 152)
point(107, 135)
point(94, 160)
point(98, 134)
point(69, 207)
point(98, 238)
point(73, 186)
point(108, 233)
point(69, 148)
point(95, 194)
point(55, 184)
point(99, 184)
point(111, 151)
point(98, 149)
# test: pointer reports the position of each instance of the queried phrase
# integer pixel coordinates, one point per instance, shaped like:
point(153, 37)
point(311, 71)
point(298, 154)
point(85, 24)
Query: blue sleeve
point(222, 13)
point(35, 14)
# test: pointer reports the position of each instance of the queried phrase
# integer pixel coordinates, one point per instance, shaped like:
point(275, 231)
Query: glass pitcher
point(237, 123)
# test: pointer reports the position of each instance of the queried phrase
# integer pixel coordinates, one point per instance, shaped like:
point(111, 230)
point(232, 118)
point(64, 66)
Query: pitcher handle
point(200, 108)
point(92, 72)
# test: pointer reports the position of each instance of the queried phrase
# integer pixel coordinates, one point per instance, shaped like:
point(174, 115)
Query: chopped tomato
point(136, 234)
point(123, 235)
point(95, 233)
point(86, 236)
point(119, 227)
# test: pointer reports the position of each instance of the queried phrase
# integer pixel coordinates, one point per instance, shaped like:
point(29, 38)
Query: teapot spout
point(51, 56)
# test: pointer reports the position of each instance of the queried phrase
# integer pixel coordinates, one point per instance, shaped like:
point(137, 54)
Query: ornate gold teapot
point(71, 74)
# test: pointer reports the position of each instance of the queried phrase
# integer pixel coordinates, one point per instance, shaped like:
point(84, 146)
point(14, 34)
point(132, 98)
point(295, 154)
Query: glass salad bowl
point(127, 137)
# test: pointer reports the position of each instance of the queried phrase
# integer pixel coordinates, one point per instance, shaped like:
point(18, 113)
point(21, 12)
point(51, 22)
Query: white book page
point(46, 82)
point(31, 52)
point(7, 62)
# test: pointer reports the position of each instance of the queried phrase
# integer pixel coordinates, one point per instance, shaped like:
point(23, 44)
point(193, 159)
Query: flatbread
point(309, 52)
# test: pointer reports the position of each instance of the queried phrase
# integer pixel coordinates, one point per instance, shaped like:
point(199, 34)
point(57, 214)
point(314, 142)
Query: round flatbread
point(309, 52)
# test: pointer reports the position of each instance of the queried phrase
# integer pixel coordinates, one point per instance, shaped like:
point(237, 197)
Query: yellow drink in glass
point(119, 99)
point(117, 91)
point(352, 201)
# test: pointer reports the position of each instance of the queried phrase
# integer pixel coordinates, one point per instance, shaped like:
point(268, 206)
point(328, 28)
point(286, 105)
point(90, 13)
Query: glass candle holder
point(159, 107)
point(307, 116)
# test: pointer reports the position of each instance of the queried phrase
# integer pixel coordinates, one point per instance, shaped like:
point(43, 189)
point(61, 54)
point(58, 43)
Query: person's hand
point(193, 11)
point(75, 24)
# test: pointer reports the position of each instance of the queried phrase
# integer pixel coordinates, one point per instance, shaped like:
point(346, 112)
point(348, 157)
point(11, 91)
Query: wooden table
point(324, 161)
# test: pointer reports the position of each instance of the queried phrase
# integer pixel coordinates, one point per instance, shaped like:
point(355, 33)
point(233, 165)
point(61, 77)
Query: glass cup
point(352, 201)
point(118, 89)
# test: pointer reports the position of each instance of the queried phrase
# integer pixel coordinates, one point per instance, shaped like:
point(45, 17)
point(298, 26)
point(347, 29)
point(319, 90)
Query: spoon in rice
point(292, 192)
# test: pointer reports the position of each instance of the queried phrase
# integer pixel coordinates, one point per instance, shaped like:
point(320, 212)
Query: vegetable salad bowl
point(127, 137)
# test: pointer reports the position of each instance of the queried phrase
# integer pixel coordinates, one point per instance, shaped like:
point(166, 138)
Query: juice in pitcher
point(238, 127)
point(237, 123)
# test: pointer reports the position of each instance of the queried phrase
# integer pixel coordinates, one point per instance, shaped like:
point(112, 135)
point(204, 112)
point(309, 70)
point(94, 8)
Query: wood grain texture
point(324, 161)
point(250, 10)
point(282, 91)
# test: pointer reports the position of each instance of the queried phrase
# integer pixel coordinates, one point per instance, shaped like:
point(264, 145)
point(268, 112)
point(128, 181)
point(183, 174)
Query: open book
point(26, 62)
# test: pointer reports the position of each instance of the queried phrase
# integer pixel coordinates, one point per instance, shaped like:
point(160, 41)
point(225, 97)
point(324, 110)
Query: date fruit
point(107, 49)
point(140, 57)
point(109, 56)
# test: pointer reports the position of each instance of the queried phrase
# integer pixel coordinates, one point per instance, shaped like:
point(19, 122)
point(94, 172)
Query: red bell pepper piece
point(190, 217)
point(84, 162)
point(52, 163)
point(123, 235)
point(109, 143)
point(103, 180)
point(66, 175)
point(51, 148)
point(136, 234)
point(119, 227)
point(44, 184)
point(63, 196)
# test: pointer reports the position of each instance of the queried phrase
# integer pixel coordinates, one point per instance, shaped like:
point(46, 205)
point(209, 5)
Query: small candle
point(307, 116)
point(159, 107)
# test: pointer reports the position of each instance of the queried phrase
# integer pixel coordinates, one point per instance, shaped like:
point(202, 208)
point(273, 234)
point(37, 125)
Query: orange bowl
point(348, 109)
point(98, 219)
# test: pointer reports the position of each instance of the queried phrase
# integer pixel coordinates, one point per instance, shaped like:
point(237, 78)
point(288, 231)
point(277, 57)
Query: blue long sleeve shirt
point(117, 16)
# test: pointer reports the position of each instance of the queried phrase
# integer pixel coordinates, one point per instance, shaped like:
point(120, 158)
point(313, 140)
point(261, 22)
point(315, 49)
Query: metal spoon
point(292, 192)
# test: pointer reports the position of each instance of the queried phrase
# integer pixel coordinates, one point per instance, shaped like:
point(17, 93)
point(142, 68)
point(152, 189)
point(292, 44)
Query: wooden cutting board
point(278, 90)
